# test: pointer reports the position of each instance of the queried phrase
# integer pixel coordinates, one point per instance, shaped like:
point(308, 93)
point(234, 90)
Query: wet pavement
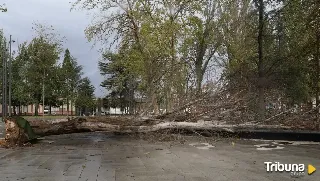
point(108, 157)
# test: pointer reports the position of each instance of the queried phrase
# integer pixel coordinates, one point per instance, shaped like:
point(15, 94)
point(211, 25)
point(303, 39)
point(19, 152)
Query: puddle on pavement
point(277, 145)
point(202, 146)
point(268, 147)
point(283, 143)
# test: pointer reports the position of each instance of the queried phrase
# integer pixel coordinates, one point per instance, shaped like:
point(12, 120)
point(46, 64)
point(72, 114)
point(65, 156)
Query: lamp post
point(10, 74)
point(4, 87)
point(43, 94)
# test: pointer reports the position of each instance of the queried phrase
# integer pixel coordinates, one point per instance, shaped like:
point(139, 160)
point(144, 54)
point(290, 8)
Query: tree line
point(166, 49)
point(39, 76)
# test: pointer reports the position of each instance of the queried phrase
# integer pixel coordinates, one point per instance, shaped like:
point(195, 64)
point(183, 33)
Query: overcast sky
point(22, 13)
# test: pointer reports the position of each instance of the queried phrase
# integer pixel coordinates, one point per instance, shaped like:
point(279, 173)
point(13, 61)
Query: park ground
point(100, 156)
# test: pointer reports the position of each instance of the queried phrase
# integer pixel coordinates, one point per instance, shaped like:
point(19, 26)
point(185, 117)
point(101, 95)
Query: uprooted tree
point(265, 53)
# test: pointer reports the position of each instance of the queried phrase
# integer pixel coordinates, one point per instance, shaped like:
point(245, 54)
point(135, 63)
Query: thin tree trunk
point(62, 107)
point(19, 109)
point(261, 97)
point(155, 104)
point(67, 107)
point(36, 111)
point(71, 108)
point(14, 110)
point(318, 71)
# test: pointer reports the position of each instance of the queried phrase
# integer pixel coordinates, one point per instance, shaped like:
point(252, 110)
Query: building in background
point(30, 110)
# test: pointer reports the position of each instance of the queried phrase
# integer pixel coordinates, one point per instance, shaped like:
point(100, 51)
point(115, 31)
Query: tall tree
point(20, 92)
point(44, 50)
point(85, 95)
point(119, 81)
point(71, 75)
point(204, 38)
point(260, 63)
point(145, 35)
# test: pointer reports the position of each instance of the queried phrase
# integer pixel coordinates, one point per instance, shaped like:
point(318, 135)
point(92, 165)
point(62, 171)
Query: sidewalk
point(102, 156)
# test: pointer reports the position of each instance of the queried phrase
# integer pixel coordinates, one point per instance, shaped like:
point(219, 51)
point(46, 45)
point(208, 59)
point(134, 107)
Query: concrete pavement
point(108, 157)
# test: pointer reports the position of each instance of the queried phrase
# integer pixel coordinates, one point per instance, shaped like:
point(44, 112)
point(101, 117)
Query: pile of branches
point(300, 119)
point(223, 107)
point(239, 107)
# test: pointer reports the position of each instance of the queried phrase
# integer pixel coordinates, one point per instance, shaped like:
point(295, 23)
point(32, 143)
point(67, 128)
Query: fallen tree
point(18, 132)
point(17, 135)
point(132, 125)
point(222, 111)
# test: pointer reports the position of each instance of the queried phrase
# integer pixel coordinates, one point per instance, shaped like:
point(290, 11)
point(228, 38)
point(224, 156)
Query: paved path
point(106, 157)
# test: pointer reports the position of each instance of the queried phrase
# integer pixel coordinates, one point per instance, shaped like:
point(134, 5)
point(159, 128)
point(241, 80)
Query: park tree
point(166, 47)
point(85, 96)
point(153, 56)
point(119, 81)
point(204, 38)
point(20, 91)
point(44, 50)
point(70, 76)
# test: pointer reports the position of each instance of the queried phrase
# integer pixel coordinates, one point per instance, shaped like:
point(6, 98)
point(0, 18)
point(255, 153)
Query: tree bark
point(261, 97)
point(19, 109)
point(155, 104)
point(317, 57)
point(71, 108)
point(36, 111)
point(14, 110)
point(199, 78)
point(67, 107)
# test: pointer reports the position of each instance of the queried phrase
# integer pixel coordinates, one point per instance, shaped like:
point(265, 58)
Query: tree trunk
point(261, 104)
point(50, 109)
point(261, 97)
point(14, 110)
point(131, 101)
point(155, 104)
point(99, 107)
point(317, 57)
point(19, 109)
point(71, 108)
point(36, 111)
point(67, 107)
point(199, 79)
point(62, 107)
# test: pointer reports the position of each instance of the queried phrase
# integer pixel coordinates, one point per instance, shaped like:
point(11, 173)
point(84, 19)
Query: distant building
point(30, 110)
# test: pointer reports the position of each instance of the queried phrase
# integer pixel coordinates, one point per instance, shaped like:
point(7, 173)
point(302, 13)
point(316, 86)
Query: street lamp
point(43, 94)
point(4, 87)
point(10, 74)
